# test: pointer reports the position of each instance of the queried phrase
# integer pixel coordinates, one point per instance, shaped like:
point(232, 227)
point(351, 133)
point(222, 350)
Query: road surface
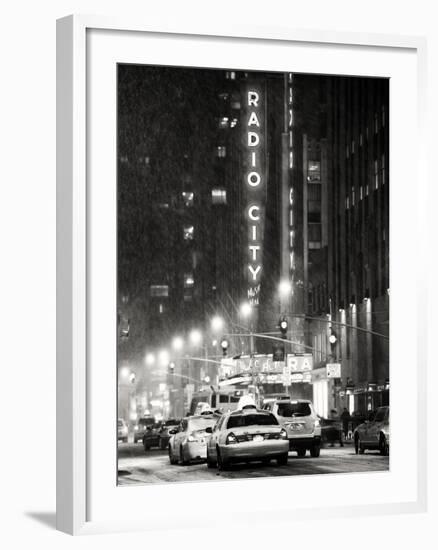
point(135, 466)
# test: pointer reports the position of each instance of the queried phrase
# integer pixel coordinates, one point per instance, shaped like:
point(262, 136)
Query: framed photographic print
point(234, 211)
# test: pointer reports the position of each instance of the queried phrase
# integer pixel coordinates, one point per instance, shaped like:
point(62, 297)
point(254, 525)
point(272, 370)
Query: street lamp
point(285, 288)
point(217, 323)
point(195, 337)
point(177, 343)
point(245, 309)
point(149, 359)
point(163, 357)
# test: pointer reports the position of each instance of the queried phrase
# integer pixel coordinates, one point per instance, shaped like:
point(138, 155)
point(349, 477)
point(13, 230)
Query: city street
point(135, 466)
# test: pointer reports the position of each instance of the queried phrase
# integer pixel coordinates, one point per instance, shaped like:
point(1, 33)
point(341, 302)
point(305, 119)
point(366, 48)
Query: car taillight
point(283, 434)
point(231, 438)
point(317, 424)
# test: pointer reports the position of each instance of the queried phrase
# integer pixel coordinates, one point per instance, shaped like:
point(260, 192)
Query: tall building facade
point(347, 283)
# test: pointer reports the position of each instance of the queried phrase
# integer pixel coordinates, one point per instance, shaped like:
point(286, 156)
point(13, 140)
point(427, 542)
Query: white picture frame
point(78, 236)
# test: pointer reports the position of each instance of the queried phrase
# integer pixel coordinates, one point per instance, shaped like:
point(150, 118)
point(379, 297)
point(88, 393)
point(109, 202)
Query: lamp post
point(246, 313)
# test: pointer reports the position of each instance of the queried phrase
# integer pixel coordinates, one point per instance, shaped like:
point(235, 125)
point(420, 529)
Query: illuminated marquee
point(254, 180)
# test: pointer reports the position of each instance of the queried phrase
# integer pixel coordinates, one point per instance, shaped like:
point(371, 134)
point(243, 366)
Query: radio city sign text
point(254, 180)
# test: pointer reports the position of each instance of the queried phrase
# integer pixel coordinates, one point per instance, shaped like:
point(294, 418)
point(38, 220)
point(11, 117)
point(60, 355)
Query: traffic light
point(333, 339)
point(283, 327)
point(278, 352)
point(224, 346)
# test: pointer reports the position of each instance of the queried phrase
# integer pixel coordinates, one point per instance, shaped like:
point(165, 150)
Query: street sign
point(333, 370)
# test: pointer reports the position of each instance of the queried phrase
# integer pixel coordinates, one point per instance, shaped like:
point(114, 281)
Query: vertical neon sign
point(255, 185)
point(290, 120)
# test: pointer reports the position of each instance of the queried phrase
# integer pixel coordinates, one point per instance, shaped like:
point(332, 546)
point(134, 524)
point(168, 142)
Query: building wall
point(358, 219)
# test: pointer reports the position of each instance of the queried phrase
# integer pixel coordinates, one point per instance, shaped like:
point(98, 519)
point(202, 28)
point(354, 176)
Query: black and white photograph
point(253, 261)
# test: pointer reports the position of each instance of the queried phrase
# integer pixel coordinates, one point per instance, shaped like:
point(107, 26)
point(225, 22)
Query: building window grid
point(376, 174)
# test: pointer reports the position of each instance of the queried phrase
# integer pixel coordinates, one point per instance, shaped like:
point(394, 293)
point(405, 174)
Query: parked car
point(298, 418)
point(163, 434)
point(189, 441)
point(244, 435)
point(122, 430)
point(374, 433)
point(151, 437)
point(141, 427)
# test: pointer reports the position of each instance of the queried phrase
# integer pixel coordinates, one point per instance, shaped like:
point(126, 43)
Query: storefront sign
point(299, 363)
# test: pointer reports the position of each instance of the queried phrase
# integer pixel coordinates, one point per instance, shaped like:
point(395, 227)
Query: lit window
point(189, 232)
point(233, 122)
point(161, 308)
point(353, 195)
point(352, 147)
point(189, 281)
point(218, 196)
point(314, 235)
point(376, 174)
point(224, 96)
point(361, 139)
point(313, 171)
point(361, 192)
point(188, 197)
point(221, 151)
point(124, 158)
point(347, 203)
point(230, 75)
point(159, 290)
point(224, 122)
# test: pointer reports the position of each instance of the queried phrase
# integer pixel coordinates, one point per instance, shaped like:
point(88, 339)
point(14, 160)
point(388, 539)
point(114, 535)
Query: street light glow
point(124, 373)
point(245, 309)
point(217, 323)
point(195, 337)
point(177, 343)
point(150, 359)
point(285, 287)
point(163, 357)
